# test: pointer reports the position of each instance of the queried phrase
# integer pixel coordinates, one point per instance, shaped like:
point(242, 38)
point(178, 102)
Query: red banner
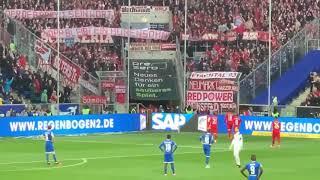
point(151, 47)
point(94, 100)
point(232, 36)
point(48, 63)
point(214, 75)
point(142, 9)
point(209, 96)
point(120, 89)
point(209, 85)
point(215, 106)
point(69, 70)
point(213, 91)
point(45, 67)
point(83, 39)
point(104, 31)
point(107, 85)
point(67, 14)
point(168, 46)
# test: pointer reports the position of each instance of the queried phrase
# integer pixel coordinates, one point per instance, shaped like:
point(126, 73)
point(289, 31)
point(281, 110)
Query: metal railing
point(75, 108)
point(44, 108)
point(281, 60)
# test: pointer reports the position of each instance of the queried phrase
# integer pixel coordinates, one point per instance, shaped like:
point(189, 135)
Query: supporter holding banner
point(67, 14)
point(43, 51)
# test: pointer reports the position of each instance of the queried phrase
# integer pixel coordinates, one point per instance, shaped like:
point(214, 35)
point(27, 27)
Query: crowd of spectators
point(313, 98)
point(20, 85)
point(210, 16)
point(223, 16)
point(90, 56)
point(204, 16)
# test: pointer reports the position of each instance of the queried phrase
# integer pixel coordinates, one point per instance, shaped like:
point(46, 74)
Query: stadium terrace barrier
point(250, 125)
point(64, 109)
point(71, 125)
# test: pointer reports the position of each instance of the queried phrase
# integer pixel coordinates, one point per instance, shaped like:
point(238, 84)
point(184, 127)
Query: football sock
point(47, 157)
point(165, 168)
point(55, 158)
point(172, 168)
point(207, 160)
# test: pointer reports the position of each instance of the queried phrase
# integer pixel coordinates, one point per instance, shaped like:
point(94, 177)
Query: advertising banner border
point(70, 125)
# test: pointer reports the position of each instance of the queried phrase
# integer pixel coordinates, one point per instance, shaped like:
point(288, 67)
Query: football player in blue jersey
point(254, 169)
point(168, 147)
point(207, 140)
point(49, 138)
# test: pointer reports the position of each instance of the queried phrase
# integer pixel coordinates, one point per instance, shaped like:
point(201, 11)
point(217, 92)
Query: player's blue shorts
point(207, 150)
point(49, 147)
point(252, 177)
point(168, 158)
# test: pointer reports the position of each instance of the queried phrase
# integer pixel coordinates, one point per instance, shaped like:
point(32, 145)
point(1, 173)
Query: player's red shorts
point(275, 135)
point(214, 130)
point(229, 127)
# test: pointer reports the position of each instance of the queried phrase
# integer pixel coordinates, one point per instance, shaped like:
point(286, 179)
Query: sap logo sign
point(163, 121)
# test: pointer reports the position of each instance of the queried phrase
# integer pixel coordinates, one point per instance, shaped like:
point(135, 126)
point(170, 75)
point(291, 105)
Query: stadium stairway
point(290, 109)
point(290, 84)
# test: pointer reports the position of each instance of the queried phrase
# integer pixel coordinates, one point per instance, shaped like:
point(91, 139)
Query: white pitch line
point(105, 142)
point(84, 161)
point(108, 157)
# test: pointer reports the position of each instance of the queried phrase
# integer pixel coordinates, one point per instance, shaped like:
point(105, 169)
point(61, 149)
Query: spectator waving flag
point(43, 51)
point(238, 21)
point(239, 24)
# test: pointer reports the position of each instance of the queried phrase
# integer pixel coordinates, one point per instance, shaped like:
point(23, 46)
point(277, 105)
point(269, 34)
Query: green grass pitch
point(137, 157)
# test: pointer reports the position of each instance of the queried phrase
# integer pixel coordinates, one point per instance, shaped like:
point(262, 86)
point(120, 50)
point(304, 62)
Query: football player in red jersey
point(276, 128)
point(213, 129)
point(229, 123)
